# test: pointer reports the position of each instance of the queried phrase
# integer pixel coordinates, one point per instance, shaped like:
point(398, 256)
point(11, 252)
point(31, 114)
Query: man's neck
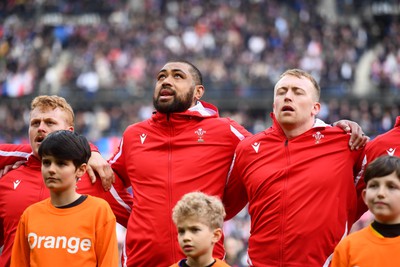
point(292, 131)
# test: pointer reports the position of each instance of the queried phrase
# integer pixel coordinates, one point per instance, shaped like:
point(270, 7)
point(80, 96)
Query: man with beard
point(185, 146)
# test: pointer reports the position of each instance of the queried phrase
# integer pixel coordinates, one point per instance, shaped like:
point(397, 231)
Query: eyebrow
point(44, 119)
point(173, 70)
point(292, 87)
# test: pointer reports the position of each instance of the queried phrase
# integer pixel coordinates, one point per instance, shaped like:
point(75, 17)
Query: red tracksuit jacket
point(301, 192)
point(24, 186)
point(163, 158)
point(385, 144)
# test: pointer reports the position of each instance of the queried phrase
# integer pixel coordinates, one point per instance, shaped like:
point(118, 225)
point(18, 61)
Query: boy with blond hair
point(199, 219)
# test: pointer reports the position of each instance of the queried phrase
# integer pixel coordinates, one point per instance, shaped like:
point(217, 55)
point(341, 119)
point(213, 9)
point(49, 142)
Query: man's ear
point(316, 108)
point(198, 91)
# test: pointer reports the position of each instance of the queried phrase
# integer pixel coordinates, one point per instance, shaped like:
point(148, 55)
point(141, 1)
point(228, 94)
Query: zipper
point(284, 205)
point(169, 185)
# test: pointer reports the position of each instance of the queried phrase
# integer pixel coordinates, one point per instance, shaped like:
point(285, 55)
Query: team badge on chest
point(318, 137)
point(200, 133)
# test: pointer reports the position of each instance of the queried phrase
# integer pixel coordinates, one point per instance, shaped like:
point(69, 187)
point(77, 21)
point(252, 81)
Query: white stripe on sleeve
point(237, 133)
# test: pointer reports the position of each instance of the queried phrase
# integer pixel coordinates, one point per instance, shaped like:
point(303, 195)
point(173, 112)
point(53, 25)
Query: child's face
point(197, 239)
point(382, 196)
point(60, 175)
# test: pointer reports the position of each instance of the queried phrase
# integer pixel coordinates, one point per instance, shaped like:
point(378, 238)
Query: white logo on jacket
point(142, 138)
point(256, 146)
point(16, 183)
point(318, 136)
point(391, 151)
point(200, 133)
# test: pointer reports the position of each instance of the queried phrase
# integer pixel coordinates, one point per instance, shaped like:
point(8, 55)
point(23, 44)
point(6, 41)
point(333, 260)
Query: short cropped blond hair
point(197, 205)
point(301, 73)
point(44, 102)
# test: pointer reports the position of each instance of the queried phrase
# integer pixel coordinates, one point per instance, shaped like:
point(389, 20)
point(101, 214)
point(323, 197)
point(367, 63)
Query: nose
point(49, 168)
point(186, 237)
point(381, 192)
point(42, 127)
point(288, 95)
point(167, 80)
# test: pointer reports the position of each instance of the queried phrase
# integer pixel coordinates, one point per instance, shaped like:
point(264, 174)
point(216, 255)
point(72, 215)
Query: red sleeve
point(122, 201)
point(117, 161)
point(239, 128)
point(235, 195)
point(93, 148)
point(361, 164)
point(1, 233)
point(11, 153)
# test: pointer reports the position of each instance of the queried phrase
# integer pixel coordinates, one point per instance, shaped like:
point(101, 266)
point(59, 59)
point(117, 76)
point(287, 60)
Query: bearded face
point(170, 101)
point(175, 89)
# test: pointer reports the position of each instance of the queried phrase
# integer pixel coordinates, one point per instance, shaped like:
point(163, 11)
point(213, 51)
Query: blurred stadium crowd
point(102, 56)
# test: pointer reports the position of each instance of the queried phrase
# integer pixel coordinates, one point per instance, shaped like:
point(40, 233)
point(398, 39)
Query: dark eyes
point(163, 76)
point(284, 91)
point(192, 230)
point(46, 162)
point(390, 186)
point(372, 186)
point(37, 123)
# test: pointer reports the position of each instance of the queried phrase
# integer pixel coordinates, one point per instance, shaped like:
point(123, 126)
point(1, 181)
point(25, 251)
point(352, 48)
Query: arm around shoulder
point(235, 195)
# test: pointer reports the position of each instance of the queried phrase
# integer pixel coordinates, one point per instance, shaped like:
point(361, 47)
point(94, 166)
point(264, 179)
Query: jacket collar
point(318, 123)
point(397, 124)
point(201, 110)
point(33, 162)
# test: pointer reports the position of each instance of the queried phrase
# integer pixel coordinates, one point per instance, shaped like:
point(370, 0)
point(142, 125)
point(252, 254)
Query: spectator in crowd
point(377, 244)
point(239, 44)
point(289, 174)
point(25, 184)
point(199, 219)
point(249, 57)
point(42, 238)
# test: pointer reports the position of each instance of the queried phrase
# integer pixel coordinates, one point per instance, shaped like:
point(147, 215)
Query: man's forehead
point(43, 109)
point(293, 81)
point(47, 111)
point(176, 66)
